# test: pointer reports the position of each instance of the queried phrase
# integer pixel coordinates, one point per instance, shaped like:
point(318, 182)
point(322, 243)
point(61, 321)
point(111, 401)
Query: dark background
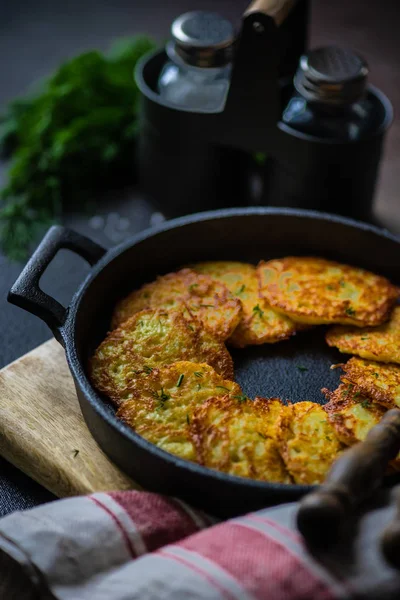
point(35, 36)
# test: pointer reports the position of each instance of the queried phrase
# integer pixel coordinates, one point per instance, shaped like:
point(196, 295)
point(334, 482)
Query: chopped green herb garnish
point(257, 310)
point(192, 286)
point(365, 338)
point(241, 398)
point(301, 368)
point(357, 394)
point(240, 290)
point(187, 419)
point(222, 387)
point(350, 311)
point(190, 326)
point(207, 305)
point(348, 390)
point(198, 374)
point(163, 395)
point(180, 379)
point(328, 438)
point(330, 287)
point(365, 403)
point(75, 453)
point(147, 369)
point(264, 437)
point(198, 387)
point(342, 283)
point(376, 375)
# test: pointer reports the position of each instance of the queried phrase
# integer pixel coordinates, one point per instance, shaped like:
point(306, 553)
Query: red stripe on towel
point(264, 567)
point(158, 519)
point(225, 593)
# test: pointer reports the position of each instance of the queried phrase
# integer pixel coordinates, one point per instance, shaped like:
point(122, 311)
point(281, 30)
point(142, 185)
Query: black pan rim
point(97, 402)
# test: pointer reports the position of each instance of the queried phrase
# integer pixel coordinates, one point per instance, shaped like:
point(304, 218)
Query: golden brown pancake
point(207, 300)
point(154, 338)
point(374, 343)
point(239, 436)
point(378, 381)
point(160, 407)
point(259, 324)
point(307, 442)
point(351, 414)
point(318, 291)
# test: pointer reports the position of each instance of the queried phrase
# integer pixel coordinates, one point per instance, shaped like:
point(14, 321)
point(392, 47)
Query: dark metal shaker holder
point(193, 161)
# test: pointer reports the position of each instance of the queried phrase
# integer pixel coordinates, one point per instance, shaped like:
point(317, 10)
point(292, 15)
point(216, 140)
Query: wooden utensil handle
point(390, 542)
point(352, 479)
point(277, 9)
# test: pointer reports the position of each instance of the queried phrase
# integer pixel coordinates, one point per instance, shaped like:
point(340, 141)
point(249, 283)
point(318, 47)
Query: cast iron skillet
point(246, 234)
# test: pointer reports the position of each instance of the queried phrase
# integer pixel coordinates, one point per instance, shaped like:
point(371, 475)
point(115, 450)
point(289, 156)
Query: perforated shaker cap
point(333, 76)
point(202, 39)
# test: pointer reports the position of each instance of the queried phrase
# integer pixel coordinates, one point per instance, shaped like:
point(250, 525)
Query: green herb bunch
point(74, 137)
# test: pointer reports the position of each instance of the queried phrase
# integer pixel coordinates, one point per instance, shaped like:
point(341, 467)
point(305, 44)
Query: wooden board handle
point(42, 431)
point(352, 479)
point(277, 9)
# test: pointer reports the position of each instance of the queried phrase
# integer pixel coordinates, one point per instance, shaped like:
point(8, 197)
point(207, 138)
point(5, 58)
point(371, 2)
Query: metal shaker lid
point(202, 39)
point(332, 76)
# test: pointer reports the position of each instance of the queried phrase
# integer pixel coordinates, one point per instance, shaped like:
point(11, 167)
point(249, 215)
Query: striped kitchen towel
point(142, 546)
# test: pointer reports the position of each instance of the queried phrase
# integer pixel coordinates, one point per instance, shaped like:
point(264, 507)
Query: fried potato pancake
point(154, 338)
point(259, 324)
point(379, 343)
point(378, 381)
point(208, 300)
point(351, 414)
point(307, 442)
point(160, 406)
point(239, 437)
point(318, 291)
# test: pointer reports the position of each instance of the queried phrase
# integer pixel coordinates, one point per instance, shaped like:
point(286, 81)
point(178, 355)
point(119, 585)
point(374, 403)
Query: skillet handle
point(26, 292)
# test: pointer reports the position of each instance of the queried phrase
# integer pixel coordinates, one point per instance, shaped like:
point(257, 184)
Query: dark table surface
point(36, 37)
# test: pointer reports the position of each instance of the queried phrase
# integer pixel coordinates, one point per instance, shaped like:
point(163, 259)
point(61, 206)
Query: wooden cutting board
point(42, 431)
